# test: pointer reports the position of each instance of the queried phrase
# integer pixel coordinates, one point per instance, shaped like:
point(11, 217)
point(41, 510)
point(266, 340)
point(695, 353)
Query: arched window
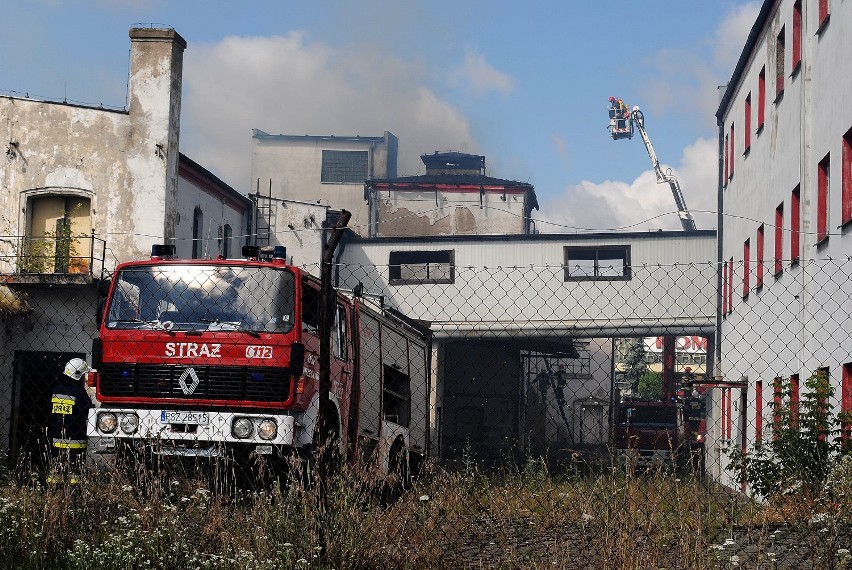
point(226, 243)
point(58, 238)
point(197, 230)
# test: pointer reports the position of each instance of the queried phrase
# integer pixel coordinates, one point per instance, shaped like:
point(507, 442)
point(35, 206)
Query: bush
point(802, 447)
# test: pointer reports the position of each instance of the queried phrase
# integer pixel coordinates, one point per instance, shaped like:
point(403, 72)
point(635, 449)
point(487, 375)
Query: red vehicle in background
point(650, 433)
point(220, 359)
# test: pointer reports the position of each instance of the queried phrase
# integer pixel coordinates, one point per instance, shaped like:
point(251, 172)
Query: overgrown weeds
point(526, 517)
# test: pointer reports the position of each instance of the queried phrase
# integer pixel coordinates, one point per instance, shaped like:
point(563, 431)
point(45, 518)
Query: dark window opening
point(197, 231)
point(310, 309)
point(396, 396)
point(779, 65)
point(410, 267)
point(597, 263)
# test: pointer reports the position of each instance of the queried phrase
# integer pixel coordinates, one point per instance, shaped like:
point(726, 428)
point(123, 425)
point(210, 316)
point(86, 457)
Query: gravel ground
point(495, 543)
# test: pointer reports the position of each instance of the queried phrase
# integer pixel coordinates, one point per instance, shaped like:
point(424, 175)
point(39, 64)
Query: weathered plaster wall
point(407, 213)
point(125, 162)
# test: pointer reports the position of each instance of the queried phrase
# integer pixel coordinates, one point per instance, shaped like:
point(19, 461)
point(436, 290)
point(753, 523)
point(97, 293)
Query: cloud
point(293, 85)
point(480, 77)
point(640, 205)
point(686, 82)
point(731, 34)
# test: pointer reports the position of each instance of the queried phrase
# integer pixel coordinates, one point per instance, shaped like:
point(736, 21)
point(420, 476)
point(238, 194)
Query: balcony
point(67, 260)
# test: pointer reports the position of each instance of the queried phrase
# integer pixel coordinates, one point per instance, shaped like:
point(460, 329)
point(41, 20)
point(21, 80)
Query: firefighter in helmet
point(68, 416)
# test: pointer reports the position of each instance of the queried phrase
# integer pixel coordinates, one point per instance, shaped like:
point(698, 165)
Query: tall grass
point(518, 518)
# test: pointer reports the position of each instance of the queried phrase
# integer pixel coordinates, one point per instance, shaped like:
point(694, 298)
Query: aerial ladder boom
point(624, 129)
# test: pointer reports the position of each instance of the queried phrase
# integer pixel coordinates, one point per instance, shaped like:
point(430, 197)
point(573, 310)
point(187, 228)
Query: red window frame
point(846, 179)
point(761, 97)
point(725, 286)
point(794, 400)
point(758, 411)
point(824, 12)
point(779, 239)
point(780, 49)
point(846, 405)
point(795, 223)
point(797, 34)
point(758, 278)
point(777, 404)
point(731, 286)
point(747, 124)
point(823, 189)
point(746, 267)
point(725, 159)
point(733, 147)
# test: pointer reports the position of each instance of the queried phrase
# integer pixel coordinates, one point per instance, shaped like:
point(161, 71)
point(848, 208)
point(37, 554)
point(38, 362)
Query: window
point(227, 235)
point(761, 98)
point(411, 267)
point(779, 239)
point(777, 405)
point(725, 286)
point(731, 159)
point(58, 238)
point(339, 336)
point(310, 309)
point(747, 123)
point(794, 400)
point(779, 65)
point(344, 166)
point(725, 160)
point(758, 277)
point(396, 403)
point(846, 405)
point(758, 411)
point(823, 182)
point(795, 224)
point(731, 286)
point(824, 13)
point(746, 267)
point(598, 263)
point(797, 35)
point(846, 180)
point(197, 233)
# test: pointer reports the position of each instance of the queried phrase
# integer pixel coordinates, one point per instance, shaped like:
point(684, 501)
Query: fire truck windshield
point(203, 298)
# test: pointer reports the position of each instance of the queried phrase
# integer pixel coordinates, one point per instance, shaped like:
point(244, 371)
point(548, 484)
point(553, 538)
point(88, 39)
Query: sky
point(525, 84)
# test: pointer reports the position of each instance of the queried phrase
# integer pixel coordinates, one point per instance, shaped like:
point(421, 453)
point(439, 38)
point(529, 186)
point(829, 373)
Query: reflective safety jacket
point(69, 412)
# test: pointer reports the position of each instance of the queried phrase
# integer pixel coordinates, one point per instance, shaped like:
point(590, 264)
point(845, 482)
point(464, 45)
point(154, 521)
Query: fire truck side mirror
point(297, 359)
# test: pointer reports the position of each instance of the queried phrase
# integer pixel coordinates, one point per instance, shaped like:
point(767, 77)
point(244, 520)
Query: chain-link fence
point(575, 416)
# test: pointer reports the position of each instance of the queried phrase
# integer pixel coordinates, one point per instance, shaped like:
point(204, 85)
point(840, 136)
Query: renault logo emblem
point(193, 377)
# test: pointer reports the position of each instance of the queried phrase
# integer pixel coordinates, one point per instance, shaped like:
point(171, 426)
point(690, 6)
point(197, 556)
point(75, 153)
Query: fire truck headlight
point(267, 429)
point(242, 428)
point(107, 422)
point(129, 423)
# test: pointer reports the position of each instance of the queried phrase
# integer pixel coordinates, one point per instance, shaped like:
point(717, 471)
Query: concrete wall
point(294, 166)
point(439, 212)
point(124, 162)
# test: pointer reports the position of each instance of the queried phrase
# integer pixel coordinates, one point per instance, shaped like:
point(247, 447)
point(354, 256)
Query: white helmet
point(76, 368)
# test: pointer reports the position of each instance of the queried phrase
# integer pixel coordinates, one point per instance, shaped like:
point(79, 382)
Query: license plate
point(176, 417)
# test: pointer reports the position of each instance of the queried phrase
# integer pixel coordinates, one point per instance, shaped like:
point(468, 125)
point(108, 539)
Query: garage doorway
point(36, 374)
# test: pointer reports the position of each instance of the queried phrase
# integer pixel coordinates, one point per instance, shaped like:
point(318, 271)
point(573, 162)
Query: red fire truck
point(220, 358)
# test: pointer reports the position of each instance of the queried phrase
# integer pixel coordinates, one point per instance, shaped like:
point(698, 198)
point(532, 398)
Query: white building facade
point(785, 195)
